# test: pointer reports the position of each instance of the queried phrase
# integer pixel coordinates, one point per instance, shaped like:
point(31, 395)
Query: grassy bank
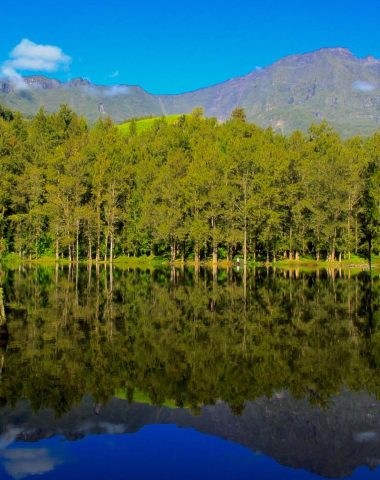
point(13, 260)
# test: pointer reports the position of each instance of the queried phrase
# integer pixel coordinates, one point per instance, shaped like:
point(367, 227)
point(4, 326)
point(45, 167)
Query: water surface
point(182, 374)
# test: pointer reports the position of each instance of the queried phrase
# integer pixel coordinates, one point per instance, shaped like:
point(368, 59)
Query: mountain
point(331, 441)
point(292, 93)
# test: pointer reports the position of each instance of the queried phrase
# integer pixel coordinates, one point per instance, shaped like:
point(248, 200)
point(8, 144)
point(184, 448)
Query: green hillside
point(146, 123)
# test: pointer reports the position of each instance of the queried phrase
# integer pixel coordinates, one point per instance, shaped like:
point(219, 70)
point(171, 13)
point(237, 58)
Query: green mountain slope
point(298, 90)
point(146, 123)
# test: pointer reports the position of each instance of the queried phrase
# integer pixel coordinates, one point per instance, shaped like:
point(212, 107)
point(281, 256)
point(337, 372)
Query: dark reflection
point(332, 442)
point(271, 350)
point(193, 339)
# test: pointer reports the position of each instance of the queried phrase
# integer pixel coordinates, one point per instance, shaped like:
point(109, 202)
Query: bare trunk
point(349, 227)
point(2, 309)
point(245, 243)
point(245, 226)
point(173, 251)
point(89, 250)
point(214, 243)
point(214, 253)
point(106, 248)
point(196, 253)
point(356, 236)
point(77, 247)
point(111, 247)
point(97, 257)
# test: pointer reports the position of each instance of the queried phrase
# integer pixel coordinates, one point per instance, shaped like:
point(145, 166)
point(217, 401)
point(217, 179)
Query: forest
point(194, 190)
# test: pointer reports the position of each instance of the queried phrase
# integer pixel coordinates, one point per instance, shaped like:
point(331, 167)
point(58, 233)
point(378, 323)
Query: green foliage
point(185, 187)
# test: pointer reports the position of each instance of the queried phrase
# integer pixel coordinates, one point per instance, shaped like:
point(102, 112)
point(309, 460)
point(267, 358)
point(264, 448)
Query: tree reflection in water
point(186, 337)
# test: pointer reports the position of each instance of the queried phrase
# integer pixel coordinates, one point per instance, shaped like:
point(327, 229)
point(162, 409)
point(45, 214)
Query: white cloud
point(363, 86)
point(14, 77)
point(114, 74)
point(28, 55)
point(102, 92)
point(116, 90)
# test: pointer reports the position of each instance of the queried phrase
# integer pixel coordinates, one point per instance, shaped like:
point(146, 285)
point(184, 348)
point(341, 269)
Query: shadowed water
point(273, 374)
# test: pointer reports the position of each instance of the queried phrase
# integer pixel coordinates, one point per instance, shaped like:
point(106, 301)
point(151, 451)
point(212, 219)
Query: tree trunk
point(349, 227)
point(245, 223)
point(214, 243)
point(77, 247)
point(2, 309)
point(356, 236)
point(111, 247)
point(173, 250)
point(245, 243)
point(89, 250)
point(214, 253)
point(97, 256)
point(369, 239)
point(106, 247)
point(196, 253)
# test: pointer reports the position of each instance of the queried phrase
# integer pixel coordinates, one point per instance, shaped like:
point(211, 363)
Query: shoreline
point(156, 262)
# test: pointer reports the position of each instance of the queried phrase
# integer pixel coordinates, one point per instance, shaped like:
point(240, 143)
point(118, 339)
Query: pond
point(189, 374)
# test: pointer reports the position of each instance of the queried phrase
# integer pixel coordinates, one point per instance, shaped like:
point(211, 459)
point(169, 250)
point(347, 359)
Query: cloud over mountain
point(30, 56)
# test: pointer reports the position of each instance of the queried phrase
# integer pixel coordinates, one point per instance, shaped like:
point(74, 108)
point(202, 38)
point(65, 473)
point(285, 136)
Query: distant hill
point(294, 92)
point(146, 123)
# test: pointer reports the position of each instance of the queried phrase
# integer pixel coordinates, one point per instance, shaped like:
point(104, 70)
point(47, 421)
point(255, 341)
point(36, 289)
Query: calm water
point(171, 374)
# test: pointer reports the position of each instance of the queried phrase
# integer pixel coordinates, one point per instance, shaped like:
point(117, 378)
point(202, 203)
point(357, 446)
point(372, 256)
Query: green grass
point(12, 260)
point(147, 123)
point(142, 397)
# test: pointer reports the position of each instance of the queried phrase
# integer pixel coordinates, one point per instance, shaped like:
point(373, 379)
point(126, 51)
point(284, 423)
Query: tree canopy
point(194, 189)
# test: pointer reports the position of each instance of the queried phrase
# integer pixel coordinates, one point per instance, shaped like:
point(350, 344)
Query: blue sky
point(170, 46)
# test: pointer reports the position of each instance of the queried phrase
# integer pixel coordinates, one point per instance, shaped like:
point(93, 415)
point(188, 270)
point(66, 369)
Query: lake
point(182, 374)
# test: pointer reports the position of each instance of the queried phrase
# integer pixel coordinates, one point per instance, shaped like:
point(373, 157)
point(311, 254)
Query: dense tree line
point(194, 190)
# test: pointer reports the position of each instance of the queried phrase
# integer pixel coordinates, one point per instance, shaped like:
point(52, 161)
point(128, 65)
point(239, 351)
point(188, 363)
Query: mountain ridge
point(289, 94)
